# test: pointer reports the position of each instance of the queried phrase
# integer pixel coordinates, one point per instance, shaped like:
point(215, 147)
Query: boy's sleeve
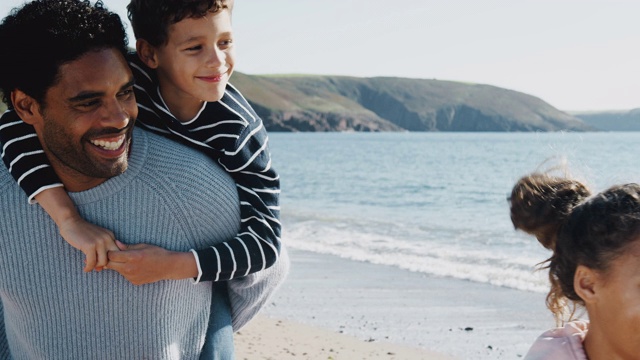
point(257, 245)
point(22, 154)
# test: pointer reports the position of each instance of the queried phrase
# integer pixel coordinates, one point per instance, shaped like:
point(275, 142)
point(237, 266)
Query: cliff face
point(339, 103)
point(314, 121)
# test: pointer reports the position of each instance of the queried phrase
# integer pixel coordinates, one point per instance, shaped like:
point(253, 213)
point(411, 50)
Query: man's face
point(87, 120)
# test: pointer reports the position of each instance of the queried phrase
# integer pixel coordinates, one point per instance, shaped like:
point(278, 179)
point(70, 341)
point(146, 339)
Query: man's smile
point(110, 144)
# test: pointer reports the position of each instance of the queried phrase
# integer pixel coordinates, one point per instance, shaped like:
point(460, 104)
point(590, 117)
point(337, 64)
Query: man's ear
point(26, 107)
point(585, 283)
point(147, 53)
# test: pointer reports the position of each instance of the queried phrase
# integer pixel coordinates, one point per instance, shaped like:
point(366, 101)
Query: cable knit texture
point(170, 196)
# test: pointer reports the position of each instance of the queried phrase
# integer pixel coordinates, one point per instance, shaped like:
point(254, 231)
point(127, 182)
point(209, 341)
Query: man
point(64, 72)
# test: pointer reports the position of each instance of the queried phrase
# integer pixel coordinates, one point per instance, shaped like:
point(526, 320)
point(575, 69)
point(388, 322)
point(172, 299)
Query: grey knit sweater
point(170, 196)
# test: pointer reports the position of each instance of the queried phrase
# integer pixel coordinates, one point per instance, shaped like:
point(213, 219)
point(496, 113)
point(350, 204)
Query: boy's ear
point(585, 284)
point(147, 53)
point(26, 107)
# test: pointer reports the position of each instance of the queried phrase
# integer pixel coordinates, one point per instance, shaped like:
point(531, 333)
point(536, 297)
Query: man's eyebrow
point(128, 84)
point(86, 95)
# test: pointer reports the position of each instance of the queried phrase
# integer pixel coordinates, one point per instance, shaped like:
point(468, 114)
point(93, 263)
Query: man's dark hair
point(42, 35)
point(151, 19)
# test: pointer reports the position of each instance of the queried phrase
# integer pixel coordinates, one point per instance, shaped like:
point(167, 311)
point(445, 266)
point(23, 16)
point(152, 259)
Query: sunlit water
point(432, 202)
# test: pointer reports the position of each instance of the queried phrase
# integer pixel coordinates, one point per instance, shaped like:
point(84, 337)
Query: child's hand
point(144, 263)
point(91, 239)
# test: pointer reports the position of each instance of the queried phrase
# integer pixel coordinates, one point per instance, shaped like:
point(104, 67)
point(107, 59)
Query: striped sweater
point(228, 131)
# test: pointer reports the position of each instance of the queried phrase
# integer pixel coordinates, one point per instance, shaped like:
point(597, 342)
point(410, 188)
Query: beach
point(334, 308)
point(270, 338)
point(404, 241)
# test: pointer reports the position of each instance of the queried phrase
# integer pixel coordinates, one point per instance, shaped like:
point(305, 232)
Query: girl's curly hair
point(579, 229)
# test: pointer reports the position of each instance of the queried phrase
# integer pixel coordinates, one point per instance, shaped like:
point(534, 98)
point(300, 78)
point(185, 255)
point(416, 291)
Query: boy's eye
point(194, 48)
point(226, 43)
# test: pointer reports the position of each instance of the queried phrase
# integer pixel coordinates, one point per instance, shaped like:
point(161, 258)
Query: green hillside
point(340, 103)
point(612, 120)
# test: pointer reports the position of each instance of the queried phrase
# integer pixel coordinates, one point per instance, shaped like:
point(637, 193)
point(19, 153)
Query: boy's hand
point(144, 263)
point(91, 239)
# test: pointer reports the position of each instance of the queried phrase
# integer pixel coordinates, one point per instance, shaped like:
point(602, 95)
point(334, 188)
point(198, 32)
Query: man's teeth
point(108, 145)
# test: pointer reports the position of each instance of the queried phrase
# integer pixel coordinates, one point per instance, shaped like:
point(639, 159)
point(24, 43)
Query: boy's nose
point(216, 57)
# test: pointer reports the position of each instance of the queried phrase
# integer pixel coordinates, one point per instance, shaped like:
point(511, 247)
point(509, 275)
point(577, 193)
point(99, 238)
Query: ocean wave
point(499, 264)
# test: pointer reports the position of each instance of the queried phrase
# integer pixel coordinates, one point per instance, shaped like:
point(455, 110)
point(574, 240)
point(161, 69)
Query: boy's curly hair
point(42, 35)
point(151, 19)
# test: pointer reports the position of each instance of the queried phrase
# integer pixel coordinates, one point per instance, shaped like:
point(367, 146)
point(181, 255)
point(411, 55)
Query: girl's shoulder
point(561, 343)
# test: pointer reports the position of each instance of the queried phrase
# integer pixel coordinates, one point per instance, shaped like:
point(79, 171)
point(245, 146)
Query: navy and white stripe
point(231, 132)
point(22, 154)
point(228, 131)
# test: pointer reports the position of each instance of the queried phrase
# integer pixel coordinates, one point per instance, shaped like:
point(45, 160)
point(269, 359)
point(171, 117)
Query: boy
point(185, 59)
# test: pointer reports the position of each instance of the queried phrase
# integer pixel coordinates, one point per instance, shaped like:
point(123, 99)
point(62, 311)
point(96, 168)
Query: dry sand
point(273, 339)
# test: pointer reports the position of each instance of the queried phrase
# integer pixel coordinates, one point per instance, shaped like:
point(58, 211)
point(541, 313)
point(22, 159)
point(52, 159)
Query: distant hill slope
point(340, 103)
point(612, 120)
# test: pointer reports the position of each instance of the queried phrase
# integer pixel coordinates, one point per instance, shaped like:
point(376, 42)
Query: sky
point(577, 55)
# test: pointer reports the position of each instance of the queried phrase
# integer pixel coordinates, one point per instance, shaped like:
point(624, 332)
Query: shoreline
point(385, 305)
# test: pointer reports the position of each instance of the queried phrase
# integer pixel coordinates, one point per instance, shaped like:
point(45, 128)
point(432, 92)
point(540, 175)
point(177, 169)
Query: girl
point(595, 264)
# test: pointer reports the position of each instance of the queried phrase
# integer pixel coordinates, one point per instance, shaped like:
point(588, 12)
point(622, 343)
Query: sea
point(433, 203)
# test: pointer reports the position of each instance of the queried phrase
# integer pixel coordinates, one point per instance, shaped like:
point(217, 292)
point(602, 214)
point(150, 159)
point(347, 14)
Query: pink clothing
point(563, 343)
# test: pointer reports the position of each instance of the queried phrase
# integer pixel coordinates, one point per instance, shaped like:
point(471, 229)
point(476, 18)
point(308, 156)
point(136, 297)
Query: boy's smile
point(196, 63)
point(213, 78)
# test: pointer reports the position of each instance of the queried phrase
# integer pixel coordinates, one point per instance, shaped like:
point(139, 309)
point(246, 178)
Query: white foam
point(496, 265)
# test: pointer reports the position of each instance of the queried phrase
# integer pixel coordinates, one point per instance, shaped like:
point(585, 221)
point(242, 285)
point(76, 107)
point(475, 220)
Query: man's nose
point(116, 115)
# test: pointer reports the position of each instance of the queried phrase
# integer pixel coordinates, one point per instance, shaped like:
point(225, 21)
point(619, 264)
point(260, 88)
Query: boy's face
point(197, 61)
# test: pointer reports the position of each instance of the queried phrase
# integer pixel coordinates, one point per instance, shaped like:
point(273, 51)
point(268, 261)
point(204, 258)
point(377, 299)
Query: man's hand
point(91, 239)
point(145, 263)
